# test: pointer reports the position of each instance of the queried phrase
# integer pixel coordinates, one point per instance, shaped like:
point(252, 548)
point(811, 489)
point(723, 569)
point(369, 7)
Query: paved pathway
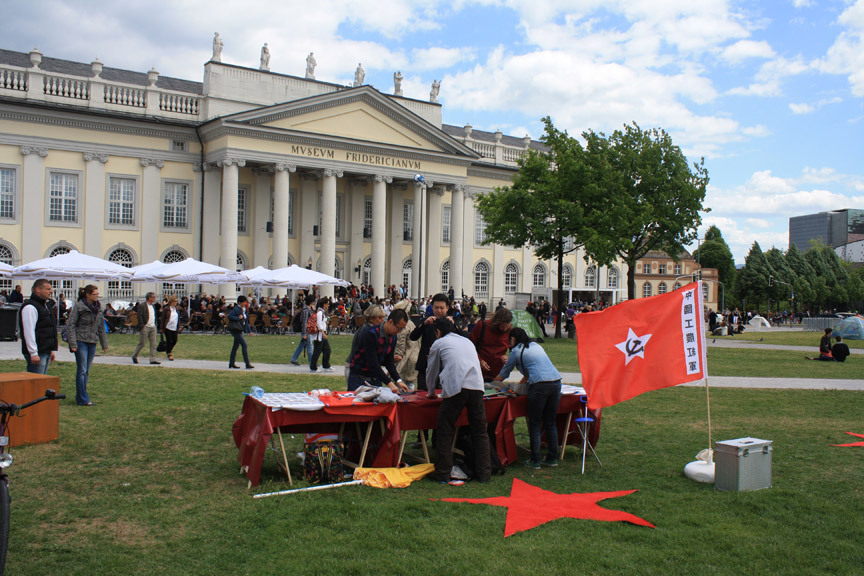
point(12, 351)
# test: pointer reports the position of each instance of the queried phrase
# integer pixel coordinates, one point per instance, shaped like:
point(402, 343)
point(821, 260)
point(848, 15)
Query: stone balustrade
point(502, 154)
point(96, 92)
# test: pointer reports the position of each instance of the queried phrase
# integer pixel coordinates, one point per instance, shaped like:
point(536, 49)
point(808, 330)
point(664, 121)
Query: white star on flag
point(634, 346)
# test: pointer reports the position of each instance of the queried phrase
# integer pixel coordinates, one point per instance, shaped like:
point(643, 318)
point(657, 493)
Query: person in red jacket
point(491, 338)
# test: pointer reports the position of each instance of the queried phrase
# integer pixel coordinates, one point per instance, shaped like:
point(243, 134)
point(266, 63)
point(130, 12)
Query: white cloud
point(801, 108)
point(769, 79)
point(747, 49)
point(846, 55)
point(439, 58)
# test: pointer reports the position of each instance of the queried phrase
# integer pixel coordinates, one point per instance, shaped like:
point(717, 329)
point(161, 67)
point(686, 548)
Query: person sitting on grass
point(840, 350)
point(824, 348)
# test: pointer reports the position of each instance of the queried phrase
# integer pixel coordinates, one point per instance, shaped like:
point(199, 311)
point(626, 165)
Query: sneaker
point(327, 370)
point(295, 363)
point(134, 359)
point(531, 464)
point(314, 370)
point(550, 463)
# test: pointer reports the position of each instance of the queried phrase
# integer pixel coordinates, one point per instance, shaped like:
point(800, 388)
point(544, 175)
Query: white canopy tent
point(72, 265)
point(5, 269)
point(289, 277)
point(189, 271)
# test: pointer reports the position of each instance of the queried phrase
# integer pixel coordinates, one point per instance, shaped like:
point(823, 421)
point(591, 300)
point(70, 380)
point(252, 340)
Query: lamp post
point(309, 263)
point(358, 269)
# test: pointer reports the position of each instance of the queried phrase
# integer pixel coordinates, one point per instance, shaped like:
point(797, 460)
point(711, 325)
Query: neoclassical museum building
point(256, 168)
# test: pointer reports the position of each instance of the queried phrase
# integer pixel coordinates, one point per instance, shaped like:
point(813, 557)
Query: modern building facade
point(254, 168)
point(843, 230)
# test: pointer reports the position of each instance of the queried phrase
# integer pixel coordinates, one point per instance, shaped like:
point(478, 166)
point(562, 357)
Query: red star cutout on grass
point(853, 443)
point(529, 506)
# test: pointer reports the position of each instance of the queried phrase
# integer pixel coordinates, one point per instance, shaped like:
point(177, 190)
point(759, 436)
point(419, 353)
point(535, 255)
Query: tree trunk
point(560, 290)
point(631, 279)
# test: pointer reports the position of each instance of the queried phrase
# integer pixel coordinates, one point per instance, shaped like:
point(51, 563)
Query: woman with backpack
point(317, 331)
point(544, 393)
point(84, 327)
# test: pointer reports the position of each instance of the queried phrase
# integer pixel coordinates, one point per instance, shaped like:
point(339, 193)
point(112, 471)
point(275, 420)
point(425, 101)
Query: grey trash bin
point(9, 314)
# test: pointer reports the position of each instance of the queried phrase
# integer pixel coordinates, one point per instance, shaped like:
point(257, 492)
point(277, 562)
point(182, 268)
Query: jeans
point(42, 367)
point(239, 341)
point(308, 344)
point(170, 340)
point(84, 358)
point(320, 346)
point(543, 398)
point(148, 333)
point(449, 412)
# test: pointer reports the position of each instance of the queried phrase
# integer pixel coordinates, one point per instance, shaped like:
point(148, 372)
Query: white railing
point(485, 150)
point(13, 79)
point(178, 103)
point(66, 87)
point(512, 154)
point(125, 96)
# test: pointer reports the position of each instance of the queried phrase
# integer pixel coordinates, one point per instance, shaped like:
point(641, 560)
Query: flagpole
point(708, 398)
point(699, 295)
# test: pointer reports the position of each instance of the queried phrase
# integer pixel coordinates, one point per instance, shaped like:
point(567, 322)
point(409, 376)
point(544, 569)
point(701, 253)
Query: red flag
point(641, 345)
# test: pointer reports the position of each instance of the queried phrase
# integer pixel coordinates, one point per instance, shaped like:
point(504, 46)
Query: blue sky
point(770, 93)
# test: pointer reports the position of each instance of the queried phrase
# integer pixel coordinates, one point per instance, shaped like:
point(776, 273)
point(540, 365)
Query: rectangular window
point(367, 219)
point(445, 224)
point(241, 209)
point(63, 198)
point(408, 222)
point(121, 201)
point(662, 269)
point(479, 229)
point(646, 268)
point(175, 205)
point(7, 193)
point(178, 146)
point(510, 279)
point(569, 244)
point(677, 269)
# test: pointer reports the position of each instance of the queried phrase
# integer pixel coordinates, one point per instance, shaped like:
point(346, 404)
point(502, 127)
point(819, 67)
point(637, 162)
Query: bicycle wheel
point(5, 501)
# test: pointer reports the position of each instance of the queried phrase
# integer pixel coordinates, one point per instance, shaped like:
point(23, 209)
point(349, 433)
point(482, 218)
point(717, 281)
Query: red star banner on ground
point(529, 506)
point(853, 443)
point(641, 345)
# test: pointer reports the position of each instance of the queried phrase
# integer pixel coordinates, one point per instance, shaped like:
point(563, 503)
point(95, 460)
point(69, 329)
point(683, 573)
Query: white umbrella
point(72, 265)
point(291, 277)
point(253, 275)
point(5, 269)
point(189, 271)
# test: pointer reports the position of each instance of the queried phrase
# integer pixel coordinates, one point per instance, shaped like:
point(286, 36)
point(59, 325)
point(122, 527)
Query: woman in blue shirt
point(544, 393)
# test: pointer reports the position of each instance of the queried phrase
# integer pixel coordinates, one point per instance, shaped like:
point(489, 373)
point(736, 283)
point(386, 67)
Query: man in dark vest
point(39, 328)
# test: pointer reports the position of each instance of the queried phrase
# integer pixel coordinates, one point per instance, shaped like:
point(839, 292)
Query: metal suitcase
point(743, 464)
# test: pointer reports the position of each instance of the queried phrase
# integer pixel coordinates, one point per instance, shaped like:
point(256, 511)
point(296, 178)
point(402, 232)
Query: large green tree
point(713, 252)
point(653, 197)
point(752, 281)
point(549, 206)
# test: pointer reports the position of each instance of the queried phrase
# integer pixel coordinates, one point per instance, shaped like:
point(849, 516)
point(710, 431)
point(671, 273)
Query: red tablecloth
point(257, 423)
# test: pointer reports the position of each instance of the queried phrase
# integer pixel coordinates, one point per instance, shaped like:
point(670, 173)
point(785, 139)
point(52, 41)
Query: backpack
point(297, 322)
point(312, 324)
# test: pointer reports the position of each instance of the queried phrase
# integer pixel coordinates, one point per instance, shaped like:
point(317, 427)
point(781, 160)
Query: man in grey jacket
point(147, 327)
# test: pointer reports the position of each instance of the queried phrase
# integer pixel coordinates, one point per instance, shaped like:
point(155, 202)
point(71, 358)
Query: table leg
point(566, 433)
point(366, 442)
point(284, 457)
point(404, 435)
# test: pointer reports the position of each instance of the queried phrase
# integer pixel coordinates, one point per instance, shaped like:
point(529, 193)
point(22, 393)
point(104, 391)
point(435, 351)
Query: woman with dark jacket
point(170, 325)
point(84, 326)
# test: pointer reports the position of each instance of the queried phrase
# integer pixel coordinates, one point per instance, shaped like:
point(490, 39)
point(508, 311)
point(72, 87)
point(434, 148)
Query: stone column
point(33, 188)
point(457, 221)
point(281, 214)
point(195, 219)
point(151, 203)
point(210, 224)
point(432, 262)
point(328, 227)
point(379, 231)
point(468, 244)
point(417, 257)
point(94, 203)
point(228, 245)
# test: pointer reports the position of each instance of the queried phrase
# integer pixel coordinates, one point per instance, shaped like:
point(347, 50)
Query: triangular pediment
point(357, 114)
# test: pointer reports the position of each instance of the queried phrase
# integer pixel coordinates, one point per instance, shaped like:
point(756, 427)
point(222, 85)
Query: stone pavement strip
point(12, 351)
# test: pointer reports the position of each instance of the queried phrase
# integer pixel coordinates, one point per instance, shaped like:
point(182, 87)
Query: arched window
point(539, 276)
point(366, 273)
point(661, 289)
point(567, 276)
point(65, 287)
point(178, 290)
point(646, 290)
point(240, 266)
point(511, 278)
point(7, 257)
point(481, 280)
point(120, 289)
point(676, 286)
point(445, 276)
point(612, 281)
point(591, 277)
point(406, 271)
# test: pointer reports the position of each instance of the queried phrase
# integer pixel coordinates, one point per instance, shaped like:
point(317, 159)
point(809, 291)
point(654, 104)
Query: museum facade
point(254, 168)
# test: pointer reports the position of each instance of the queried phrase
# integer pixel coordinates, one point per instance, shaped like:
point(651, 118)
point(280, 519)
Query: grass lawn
point(792, 338)
point(562, 352)
point(147, 482)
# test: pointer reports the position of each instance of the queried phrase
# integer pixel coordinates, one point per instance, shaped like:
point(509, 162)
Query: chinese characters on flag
point(641, 345)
